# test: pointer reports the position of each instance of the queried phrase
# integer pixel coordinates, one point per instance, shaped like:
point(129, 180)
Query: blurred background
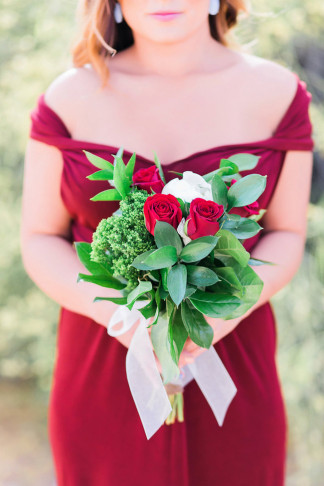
point(34, 49)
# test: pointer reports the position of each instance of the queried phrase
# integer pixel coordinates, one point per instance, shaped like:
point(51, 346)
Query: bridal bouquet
point(174, 251)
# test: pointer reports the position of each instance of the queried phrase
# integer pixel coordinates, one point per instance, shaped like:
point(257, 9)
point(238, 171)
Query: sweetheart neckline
point(101, 146)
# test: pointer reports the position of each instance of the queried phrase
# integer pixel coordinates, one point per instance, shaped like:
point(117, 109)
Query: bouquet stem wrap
point(145, 381)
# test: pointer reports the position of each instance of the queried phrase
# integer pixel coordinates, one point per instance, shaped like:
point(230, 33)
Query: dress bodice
point(294, 132)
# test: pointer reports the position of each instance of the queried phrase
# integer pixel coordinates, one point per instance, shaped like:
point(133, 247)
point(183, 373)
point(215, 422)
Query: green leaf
point(252, 285)
point(159, 166)
point(201, 276)
point(257, 217)
point(226, 168)
point(256, 262)
point(177, 334)
point(156, 259)
point(161, 346)
point(229, 245)
point(142, 288)
point(99, 161)
point(83, 250)
point(149, 310)
point(198, 249)
point(190, 290)
point(115, 300)
point(214, 304)
point(245, 161)
point(165, 234)
point(177, 281)
point(121, 180)
point(108, 195)
point(246, 191)
point(164, 277)
point(229, 164)
point(103, 281)
point(242, 228)
point(130, 168)
point(101, 175)
point(200, 332)
point(228, 275)
point(219, 190)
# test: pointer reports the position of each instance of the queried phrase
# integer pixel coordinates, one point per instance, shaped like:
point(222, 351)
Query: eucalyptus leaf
point(200, 332)
point(198, 249)
point(256, 262)
point(245, 161)
point(161, 346)
point(219, 190)
point(190, 290)
point(177, 282)
point(201, 276)
point(246, 190)
point(215, 304)
point(242, 228)
point(102, 280)
point(83, 250)
point(177, 334)
point(228, 275)
point(142, 288)
point(156, 259)
point(229, 245)
point(252, 285)
point(165, 234)
point(115, 300)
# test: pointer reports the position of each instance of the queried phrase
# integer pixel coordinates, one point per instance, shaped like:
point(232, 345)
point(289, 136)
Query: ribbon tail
point(214, 381)
point(145, 382)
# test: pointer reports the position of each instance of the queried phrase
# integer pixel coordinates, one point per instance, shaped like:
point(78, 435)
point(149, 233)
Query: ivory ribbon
point(145, 381)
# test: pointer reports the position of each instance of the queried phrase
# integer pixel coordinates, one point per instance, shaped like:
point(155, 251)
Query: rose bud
point(203, 218)
point(148, 179)
point(247, 210)
point(161, 207)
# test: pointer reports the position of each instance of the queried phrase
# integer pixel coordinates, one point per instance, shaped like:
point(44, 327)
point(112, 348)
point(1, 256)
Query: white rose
point(189, 187)
point(180, 230)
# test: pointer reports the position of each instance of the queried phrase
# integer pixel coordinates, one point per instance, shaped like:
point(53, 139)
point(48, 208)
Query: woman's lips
point(165, 16)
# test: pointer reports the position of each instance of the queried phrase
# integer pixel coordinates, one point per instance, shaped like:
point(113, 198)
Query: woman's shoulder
point(65, 93)
point(270, 86)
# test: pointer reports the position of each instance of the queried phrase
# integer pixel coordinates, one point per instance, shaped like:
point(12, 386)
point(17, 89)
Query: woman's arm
point(48, 256)
point(283, 239)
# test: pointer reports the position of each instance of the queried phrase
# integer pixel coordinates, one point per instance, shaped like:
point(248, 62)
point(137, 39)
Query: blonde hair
point(100, 36)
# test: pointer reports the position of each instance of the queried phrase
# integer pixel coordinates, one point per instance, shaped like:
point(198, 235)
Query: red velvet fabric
point(95, 432)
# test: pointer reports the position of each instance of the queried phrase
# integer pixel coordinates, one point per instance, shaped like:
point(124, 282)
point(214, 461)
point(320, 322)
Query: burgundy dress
point(95, 432)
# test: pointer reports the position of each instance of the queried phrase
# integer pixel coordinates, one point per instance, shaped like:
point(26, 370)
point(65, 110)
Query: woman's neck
point(194, 54)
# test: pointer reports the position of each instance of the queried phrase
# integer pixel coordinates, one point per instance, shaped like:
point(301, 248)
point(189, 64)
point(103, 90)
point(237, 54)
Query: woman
point(174, 87)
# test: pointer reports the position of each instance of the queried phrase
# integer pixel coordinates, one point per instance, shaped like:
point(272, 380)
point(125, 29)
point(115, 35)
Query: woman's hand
point(221, 328)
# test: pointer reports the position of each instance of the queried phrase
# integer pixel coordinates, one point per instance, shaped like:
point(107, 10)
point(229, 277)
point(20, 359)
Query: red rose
point(247, 210)
point(148, 179)
point(161, 207)
point(202, 220)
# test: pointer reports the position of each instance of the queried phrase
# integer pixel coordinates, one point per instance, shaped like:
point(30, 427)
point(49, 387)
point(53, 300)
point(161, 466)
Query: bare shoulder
point(270, 86)
point(68, 90)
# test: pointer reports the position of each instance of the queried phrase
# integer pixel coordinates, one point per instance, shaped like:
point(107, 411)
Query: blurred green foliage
point(33, 51)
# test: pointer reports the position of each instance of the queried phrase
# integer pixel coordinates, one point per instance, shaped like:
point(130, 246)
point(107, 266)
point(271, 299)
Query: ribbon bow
point(145, 381)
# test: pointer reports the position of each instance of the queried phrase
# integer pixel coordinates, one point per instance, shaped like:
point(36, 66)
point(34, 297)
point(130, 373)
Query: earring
point(118, 13)
point(213, 7)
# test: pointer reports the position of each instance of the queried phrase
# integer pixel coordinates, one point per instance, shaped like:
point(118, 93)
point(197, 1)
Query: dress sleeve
point(47, 127)
point(294, 132)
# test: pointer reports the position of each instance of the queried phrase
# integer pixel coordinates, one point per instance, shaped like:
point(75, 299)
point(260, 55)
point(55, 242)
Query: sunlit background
point(33, 51)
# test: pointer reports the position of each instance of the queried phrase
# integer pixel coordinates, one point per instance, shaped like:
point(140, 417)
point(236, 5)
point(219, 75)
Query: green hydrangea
point(118, 240)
